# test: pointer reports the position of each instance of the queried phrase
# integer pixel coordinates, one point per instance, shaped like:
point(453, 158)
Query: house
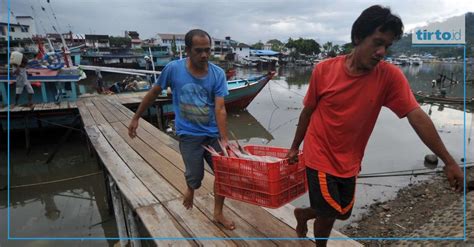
point(267, 46)
point(24, 28)
point(97, 41)
point(221, 47)
point(168, 38)
point(241, 51)
point(134, 36)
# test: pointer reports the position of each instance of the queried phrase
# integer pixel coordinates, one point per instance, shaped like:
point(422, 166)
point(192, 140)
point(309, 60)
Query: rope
point(405, 171)
point(383, 185)
point(54, 15)
point(288, 89)
point(271, 96)
point(54, 181)
point(60, 125)
point(282, 124)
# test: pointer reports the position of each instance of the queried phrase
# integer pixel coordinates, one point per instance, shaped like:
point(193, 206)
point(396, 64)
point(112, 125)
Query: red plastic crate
point(262, 183)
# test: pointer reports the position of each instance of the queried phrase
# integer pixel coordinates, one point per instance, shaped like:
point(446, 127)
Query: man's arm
point(221, 118)
point(303, 123)
point(426, 130)
point(146, 102)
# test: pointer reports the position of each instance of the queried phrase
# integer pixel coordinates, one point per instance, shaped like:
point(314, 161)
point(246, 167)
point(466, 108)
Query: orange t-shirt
point(347, 107)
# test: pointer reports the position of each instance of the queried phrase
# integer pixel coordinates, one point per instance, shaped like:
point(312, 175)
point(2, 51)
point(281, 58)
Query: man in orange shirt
point(341, 107)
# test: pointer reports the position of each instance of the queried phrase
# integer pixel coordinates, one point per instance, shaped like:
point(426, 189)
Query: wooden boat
point(230, 73)
point(426, 98)
point(46, 84)
point(243, 91)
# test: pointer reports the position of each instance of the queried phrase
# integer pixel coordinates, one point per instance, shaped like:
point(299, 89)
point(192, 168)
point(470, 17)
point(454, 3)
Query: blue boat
point(49, 85)
point(241, 93)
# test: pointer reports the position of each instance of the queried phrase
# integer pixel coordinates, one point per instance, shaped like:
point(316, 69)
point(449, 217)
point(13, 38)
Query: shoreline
point(423, 210)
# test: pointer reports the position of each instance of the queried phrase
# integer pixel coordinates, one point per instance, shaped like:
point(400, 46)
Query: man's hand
point(455, 176)
point(132, 128)
point(224, 141)
point(292, 156)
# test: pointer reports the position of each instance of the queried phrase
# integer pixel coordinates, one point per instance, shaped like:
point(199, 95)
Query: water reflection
point(71, 206)
point(245, 127)
point(420, 78)
point(297, 76)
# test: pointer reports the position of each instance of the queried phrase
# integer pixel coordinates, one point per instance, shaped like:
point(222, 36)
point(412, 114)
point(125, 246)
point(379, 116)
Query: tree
point(346, 48)
point(304, 46)
point(276, 44)
point(291, 43)
point(174, 50)
point(330, 49)
point(258, 45)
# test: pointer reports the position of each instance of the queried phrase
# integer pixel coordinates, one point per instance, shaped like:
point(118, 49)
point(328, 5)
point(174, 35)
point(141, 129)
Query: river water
point(77, 208)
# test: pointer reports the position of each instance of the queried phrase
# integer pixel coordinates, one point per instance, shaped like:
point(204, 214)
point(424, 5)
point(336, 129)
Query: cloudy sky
point(244, 20)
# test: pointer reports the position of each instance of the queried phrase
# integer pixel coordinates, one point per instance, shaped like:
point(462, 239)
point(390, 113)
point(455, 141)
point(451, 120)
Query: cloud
point(243, 20)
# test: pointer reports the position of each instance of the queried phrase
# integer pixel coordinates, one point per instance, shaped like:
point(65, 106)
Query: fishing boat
point(47, 84)
point(241, 94)
point(243, 91)
point(230, 73)
point(426, 98)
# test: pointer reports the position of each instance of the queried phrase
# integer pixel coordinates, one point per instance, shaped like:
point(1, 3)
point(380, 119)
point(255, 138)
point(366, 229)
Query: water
point(77, 208)
point(73, 208)
point(393, 145)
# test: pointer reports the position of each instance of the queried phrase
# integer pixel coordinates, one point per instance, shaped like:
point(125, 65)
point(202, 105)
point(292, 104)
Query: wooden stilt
point(132, 226)
point(118, 210)
point(159, 117)
point(27, 135)
point(108, 194)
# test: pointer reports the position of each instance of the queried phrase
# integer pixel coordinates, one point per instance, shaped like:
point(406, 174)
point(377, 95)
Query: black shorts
point(330, 196)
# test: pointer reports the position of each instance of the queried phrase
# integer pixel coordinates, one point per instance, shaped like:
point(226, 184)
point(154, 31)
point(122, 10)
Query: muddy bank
point(412, 208)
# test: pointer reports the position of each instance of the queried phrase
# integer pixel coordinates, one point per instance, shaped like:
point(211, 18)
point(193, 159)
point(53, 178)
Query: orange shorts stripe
point(325, 192)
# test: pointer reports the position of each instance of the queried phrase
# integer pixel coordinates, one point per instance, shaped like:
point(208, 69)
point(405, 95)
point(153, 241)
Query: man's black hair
point(188, 38)
point(376, 17)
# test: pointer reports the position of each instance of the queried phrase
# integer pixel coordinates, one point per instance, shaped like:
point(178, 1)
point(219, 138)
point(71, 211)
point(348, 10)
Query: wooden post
point(159, 116)
point(3, 91)
point(108, 194)
point(44, 95)
point(118, 210)
point(73, 91)
point(27, 134)
point(132, 226)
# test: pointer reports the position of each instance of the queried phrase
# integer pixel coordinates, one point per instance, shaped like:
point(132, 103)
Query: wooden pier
point(145, 184)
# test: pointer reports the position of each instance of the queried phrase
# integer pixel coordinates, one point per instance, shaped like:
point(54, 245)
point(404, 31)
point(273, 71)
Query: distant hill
point(404, 46)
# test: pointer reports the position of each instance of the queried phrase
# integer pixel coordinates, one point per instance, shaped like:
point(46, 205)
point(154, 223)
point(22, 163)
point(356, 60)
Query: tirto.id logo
point(438, 35)
point(449, 31)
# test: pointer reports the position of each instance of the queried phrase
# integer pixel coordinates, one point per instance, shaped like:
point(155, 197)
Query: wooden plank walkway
point(148, 171)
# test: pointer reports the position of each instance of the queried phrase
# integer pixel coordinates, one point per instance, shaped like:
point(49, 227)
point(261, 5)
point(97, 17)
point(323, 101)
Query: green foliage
point(304, 46)
point(174, 49)
point(331, 50)
point(258, 45)
point(276, 45)
point(346, 48)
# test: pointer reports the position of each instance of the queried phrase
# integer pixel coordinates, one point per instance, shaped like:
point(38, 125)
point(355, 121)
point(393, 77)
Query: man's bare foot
point(228, 224)
point(301, 226)
point(188, 198)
